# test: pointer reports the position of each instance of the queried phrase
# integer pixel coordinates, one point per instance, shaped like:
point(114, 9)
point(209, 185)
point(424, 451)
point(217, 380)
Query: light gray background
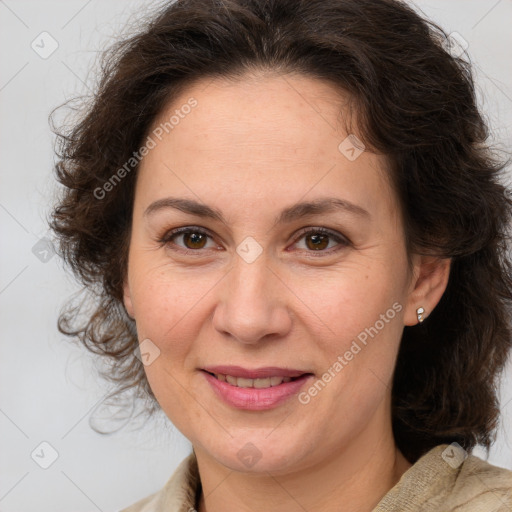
point(48, 386)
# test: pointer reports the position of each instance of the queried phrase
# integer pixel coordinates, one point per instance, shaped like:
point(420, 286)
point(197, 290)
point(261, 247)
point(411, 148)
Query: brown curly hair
point(415, 102)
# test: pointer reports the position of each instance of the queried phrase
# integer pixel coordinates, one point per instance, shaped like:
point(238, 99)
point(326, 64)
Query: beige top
point(437, 482)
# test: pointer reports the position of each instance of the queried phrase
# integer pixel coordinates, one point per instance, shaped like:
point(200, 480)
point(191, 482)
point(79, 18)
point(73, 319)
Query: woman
point(298, 234)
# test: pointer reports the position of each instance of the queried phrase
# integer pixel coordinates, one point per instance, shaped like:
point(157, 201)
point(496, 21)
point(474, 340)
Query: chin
point(258, 454)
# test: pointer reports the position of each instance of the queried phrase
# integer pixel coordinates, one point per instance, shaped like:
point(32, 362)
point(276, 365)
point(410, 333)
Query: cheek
point(360, 350)
point(361, 322)
point(171, 306)
point(168, 308)
point(348, 301)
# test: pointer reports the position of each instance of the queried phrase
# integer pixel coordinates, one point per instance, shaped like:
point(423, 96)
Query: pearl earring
point(420, 312)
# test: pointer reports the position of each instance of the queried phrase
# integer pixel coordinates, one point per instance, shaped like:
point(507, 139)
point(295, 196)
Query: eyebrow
point(294, 212)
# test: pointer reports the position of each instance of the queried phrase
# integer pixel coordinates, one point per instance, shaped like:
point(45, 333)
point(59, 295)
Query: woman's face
point(257, 291)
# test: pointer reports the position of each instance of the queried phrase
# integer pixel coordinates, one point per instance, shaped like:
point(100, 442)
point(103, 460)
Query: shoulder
point(482, 486)
point(448, 479)
point(179, 493)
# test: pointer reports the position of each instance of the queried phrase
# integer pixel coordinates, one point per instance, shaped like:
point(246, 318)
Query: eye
point(318, 240)
point(193, 239)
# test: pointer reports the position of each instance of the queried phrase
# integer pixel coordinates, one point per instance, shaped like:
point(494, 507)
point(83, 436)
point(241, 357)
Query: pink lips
point(253, 398)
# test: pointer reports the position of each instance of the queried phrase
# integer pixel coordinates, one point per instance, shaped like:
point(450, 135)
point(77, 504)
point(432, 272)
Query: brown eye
point(318, 242)
point(321, 240)
point(196, 240)
point(192, 239)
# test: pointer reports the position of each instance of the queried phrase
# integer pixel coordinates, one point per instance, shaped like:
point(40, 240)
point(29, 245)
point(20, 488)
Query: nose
point(252, 303)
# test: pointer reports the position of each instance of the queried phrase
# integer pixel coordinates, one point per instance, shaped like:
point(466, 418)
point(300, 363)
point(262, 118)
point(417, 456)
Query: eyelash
point(169, 235)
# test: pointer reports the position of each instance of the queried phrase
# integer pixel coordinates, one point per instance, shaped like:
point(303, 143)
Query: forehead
point(261, 138)
point(291, 111)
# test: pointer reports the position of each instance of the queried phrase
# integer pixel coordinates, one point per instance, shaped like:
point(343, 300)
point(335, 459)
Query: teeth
point(231, 380)
point(244, 383)
point(275, 381)
point(241, 382)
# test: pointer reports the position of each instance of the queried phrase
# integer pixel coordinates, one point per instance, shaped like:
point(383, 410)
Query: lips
point(256, 373)
point(259, 397)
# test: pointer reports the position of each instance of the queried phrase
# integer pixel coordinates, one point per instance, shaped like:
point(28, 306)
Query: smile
point(255, 394)
point(241, 382)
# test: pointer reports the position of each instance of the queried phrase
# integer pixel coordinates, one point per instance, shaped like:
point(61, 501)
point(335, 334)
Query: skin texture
point(249, 149)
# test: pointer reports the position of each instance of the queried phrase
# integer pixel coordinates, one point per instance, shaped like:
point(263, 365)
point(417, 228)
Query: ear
point(429, 281)
point(127, 299)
